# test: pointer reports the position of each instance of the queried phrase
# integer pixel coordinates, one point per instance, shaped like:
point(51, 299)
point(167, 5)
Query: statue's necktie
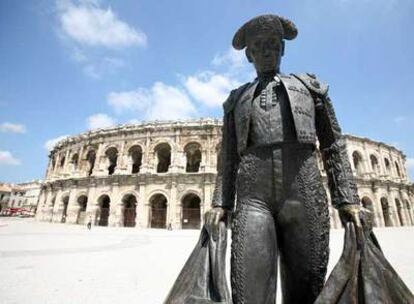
point(268, 96)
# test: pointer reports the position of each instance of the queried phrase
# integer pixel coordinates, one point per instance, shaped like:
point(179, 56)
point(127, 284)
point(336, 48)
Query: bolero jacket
point(314, 119)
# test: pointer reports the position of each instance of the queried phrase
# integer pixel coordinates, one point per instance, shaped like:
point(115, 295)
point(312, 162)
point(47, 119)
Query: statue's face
point(265, 51)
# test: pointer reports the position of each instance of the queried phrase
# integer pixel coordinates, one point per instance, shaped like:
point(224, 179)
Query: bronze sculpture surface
point(269, 171)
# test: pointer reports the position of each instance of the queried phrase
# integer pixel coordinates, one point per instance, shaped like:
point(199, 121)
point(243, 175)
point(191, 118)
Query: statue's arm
point(334, 154)
point(225, 188)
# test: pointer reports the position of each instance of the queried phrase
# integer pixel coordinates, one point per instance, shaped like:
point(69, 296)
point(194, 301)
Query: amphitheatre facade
point(162, 175)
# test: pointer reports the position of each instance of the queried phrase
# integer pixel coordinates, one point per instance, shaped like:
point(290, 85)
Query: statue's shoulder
point(235, 94)
point(312, 83)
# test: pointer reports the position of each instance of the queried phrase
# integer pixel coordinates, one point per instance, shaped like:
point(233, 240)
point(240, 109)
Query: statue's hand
point(353, 213)
point(213, 218)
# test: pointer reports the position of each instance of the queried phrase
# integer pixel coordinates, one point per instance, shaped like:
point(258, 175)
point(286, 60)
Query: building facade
point(22, 196)
point(162, 174)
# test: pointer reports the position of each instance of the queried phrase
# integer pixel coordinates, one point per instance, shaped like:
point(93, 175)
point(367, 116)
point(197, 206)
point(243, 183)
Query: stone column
point(57, 208)
point(146, 163)
point(206, 199)
point(172, 206)
point(121, 165)
point(92, 206)
point(115, 211)
point(73, 206)
point(97, 170)
point(142, 212)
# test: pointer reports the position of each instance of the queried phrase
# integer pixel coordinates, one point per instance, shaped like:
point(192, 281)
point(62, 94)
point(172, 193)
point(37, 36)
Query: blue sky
point(70, 66)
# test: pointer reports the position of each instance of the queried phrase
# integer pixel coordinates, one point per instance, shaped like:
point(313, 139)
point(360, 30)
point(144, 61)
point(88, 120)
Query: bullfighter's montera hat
point(282, 27)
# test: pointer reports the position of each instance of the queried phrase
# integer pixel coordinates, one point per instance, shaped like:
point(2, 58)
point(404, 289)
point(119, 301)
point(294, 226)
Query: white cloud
point(232, 59)
point(161, 102)
point(49, 144)
point(210, 88)
point(8, 127)
point(138, 100)
point(6, 158)
point(100, 120)
point(88, 24)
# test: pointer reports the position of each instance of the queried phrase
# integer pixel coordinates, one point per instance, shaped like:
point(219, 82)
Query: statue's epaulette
point(231, 101)
point(313, 84)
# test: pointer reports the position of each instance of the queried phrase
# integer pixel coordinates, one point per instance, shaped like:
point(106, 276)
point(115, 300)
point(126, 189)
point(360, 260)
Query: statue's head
point(264, 39)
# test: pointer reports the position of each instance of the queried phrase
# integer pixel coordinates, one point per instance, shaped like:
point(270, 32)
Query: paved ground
point(56, 263)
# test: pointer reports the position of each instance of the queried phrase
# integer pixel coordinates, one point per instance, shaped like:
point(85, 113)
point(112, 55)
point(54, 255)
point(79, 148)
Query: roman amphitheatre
point(162, 174)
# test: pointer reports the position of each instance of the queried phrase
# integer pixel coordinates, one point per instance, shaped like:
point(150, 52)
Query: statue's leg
point(254, 246)
point(253, 255)
point(303, 231)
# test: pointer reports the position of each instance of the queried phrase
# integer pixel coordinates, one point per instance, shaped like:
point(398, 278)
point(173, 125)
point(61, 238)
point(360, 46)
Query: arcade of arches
point(162, 174)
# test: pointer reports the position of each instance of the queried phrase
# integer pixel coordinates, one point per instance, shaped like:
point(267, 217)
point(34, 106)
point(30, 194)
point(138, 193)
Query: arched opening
point(218, 155)
point(374, 164)
point(135, 153)
point(357, 160)
point(90, 158)
point(367, 203)
point(112, 157)
point(103, 212)
point(158, 214)
point(53, 164)
point(398, 169)
point(82, 204)
point(386, 212)
point(53, 202)
point(52, 206)
point(399, 211)
point(163, 153)
point(387, 165)
point(410, 215)
point(62, 161)
point(74, 161)
point(129, 203)
point(191, 212)
point(65, 202)
point(193, 155)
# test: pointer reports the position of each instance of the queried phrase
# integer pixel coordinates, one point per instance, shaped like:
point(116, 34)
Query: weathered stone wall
point(180, 196)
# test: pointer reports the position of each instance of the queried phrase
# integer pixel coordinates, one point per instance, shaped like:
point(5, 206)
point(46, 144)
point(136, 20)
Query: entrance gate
point(158, 217)
point(103, 217)
point(129, 217)
point(158, 211)
point(191, 216)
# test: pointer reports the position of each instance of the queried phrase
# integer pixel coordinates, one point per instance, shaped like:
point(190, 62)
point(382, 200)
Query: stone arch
point(65, 203)
point(102, 214)
point(53, 201)
point(82, 201)
point(135, 154)
point(357, 161)
point(397, 168)
point(399, 211)
point(162, 153)
point(158, 211)
point(386, 211)
point(62, 161)
point(112, 159)
point(410, 214)
point(90, 160)
point(191, 211)
point(75, 161)
point(192, 153)
point(368, 204)
point(374, 163)
point(53, 160)
point(129, 210)
point(387, 165)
